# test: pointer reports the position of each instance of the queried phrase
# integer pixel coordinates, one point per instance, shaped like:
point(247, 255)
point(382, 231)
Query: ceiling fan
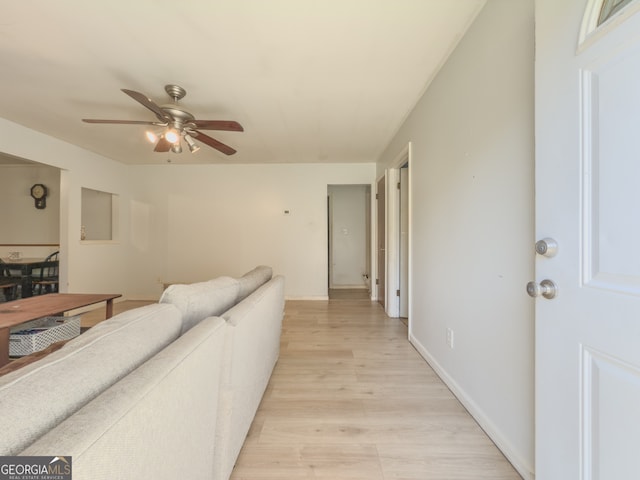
point(177, 123)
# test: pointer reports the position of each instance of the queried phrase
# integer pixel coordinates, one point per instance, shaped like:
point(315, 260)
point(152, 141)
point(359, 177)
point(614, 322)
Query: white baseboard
point(524, 468)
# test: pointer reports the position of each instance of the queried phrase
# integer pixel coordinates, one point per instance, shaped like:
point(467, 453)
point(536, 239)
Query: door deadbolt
point(546, 288)
point(547, 247)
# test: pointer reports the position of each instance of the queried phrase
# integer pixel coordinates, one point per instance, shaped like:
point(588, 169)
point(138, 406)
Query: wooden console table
point(26, 309)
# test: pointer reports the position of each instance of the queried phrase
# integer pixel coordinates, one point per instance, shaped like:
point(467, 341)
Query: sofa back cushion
point(253, 279)
point(39, 396)
point(253, 347)
point(197, 301)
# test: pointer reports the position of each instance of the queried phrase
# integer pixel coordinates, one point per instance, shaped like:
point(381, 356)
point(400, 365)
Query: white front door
point(588, 200)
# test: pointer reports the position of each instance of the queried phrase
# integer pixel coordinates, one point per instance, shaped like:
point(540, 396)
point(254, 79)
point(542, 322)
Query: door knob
point(546, 288)
point(547, 247)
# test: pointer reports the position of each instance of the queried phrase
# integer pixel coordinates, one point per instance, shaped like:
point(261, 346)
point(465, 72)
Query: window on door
point(610, 8)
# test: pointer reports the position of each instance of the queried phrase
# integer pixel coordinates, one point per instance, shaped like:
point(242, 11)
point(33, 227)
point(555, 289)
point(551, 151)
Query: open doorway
point(349, 232)
point(30, 222)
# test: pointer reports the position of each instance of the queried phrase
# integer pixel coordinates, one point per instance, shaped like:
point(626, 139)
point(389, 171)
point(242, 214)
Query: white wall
point(194, 222)
point(348, 205)
point(189, 222)
point(20, 221)
point(472, 223)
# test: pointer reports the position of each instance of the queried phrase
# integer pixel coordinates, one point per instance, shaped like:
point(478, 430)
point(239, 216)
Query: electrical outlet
point(450, 337)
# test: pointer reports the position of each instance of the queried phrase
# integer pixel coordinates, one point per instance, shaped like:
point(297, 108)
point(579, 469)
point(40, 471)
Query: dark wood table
point(26, 309)
point(26, 267)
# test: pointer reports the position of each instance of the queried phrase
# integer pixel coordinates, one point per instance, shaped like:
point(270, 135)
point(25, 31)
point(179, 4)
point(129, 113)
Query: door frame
point(367, 274)
point(393, 233)
point(403, 242)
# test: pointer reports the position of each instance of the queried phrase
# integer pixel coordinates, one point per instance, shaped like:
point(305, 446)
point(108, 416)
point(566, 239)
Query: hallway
point(351, 399)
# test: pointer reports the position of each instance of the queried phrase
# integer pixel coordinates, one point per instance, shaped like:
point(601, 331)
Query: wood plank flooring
point(351, 399)
point(348, 294)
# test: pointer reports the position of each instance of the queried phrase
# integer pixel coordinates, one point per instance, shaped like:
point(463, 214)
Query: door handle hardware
point(546, 288)
point(547, 247)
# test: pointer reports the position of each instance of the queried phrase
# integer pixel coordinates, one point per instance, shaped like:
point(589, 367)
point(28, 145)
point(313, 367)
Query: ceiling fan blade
point(123, 122)
point(150, 104)
point(212, 142)
point(163, 145)
point(228, 125)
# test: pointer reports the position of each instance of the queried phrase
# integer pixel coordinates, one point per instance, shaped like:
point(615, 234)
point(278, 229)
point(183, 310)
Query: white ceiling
point(309, 80)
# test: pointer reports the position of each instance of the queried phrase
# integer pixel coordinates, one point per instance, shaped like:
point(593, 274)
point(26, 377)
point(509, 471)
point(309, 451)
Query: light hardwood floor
point(351, 399)
point(348, 294)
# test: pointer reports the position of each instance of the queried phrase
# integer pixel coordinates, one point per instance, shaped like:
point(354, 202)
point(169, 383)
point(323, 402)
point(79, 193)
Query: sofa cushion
point(253, 279)
point(156, 423)
point(39, 396)
point(197, 301)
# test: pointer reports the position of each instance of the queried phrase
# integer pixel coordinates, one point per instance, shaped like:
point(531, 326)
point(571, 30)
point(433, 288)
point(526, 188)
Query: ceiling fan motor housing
point(180, 117)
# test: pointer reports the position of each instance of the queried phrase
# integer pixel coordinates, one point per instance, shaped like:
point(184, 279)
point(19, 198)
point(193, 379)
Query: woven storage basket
point(38, 334)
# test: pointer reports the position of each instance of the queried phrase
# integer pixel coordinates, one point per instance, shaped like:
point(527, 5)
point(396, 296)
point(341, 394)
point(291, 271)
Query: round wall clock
point(39, 194)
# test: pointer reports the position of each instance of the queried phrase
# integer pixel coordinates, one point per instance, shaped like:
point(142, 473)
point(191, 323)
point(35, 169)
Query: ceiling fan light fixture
point(176, 148)
point(172, 136)
point(152, 137)
point(193, 146)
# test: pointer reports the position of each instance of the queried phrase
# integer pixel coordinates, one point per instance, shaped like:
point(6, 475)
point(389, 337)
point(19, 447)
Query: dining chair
point(8, 284)
point(46, 281)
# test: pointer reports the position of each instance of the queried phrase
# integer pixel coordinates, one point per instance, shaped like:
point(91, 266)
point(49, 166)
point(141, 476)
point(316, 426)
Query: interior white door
point(404, 243)
point(587, 199)
point(381, 241)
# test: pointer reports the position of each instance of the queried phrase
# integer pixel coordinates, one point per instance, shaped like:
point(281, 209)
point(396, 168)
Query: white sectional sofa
point(164, 391)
